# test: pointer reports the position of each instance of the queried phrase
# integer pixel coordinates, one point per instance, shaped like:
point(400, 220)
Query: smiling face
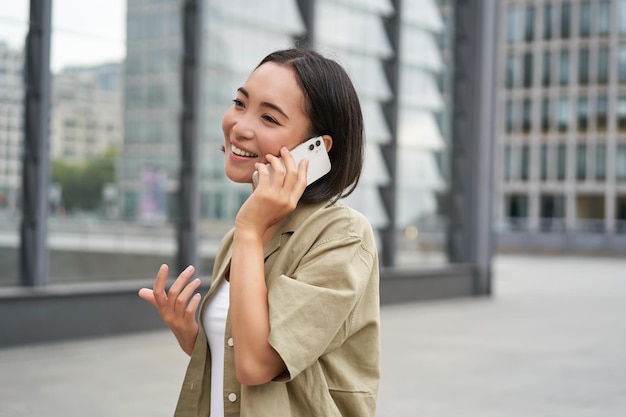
point(267, 114)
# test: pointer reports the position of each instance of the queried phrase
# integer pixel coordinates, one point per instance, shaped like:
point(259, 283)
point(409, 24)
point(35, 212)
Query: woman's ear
point(328, 142)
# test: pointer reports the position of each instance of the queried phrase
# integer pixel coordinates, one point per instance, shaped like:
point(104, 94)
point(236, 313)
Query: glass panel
point(602, 113)
point(546, 69)
point(14, 18)
point(581, 161)
point(508, 162)
point(525, 163)
point(511, 70)
point(621, 114)
point(620, 162)
point(545, 114)
point(544, 162)
point(583, 66)
point(526, 115)
point(564, 114)
point(564, 67)
point(621, 64)
point(510, 116)
point(422, 123)
point(583, 114)
point(548, 21)
point(604, 17)
point(600, 162)
point(528, 70)
point(566, 19)
point(551, 212)
point(113, 171)
point(622, 17)
point(585, 19)
point(517, 211)
point(529, 24)
point(603, 65)
point(512, 24)
point(561, 161)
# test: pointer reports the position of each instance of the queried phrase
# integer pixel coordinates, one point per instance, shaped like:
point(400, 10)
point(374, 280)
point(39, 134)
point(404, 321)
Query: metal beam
point(36, 149)
point(470, 236)
point(189, 181)
point(307, 11)
point(388, 192)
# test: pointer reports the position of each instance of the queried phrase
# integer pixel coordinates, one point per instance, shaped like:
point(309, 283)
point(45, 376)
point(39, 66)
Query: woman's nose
point(243, 128)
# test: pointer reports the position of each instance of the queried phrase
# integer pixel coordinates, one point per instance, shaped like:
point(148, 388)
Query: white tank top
point(214, 322)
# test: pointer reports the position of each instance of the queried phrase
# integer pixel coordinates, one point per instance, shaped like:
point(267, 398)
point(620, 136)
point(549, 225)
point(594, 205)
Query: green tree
point(82, 183)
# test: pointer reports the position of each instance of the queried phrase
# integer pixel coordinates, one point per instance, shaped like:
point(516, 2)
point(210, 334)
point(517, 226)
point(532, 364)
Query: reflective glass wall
point(115, 123)
point(14, 24)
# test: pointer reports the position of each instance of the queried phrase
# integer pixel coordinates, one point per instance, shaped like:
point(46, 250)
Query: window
point(581, 161)
point(548, 21)
point(602, 113)
point(620, 162)
point(566, 19)
point(622, 17)
point(511, 63)
point(564, 114)
point(600, 162)
point(551, 212)
point(526, 115)
point(585, 19)
point(511, 24)
point(545, 114)
point(583, 66)
point(583, 114)
point(564, 67)
point(621, 114)
point(525, 163)
point(603, 65)
point(510, 116)
point(528, 69)
point(561, 162)
point(508, 163)
point(546, 69)
point(621, 64)
point(604, 18)
point(529, 26)
point(545, 157)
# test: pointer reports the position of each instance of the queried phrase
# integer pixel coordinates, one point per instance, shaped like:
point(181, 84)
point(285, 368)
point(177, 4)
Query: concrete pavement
point(550, 342)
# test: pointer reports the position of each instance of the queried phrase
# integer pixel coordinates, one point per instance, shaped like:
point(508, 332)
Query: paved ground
point(551, 342)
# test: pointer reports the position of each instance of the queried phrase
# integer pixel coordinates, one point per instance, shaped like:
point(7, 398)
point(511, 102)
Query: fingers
point(159, 286)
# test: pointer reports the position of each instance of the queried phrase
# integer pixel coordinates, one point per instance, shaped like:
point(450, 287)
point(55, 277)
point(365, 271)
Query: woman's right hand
point(178, 306)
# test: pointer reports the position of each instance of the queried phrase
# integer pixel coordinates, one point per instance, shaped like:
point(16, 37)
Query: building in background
point(561, 171)
point(87, 106)
point(238, 34)
point(11, 125)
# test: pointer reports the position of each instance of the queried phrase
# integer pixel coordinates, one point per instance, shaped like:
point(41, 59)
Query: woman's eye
point(270, 119)
point(237, 102)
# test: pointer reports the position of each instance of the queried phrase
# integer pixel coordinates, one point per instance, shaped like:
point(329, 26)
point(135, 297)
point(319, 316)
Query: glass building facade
point(116, 116)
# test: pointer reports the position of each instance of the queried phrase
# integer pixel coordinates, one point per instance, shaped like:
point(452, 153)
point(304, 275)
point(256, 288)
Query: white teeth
point(241, 152)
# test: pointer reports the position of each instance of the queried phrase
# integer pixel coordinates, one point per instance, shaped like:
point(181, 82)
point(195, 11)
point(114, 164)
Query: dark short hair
point(334, 109)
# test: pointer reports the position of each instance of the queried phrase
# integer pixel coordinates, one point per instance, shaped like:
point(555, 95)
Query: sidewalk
point(551, 342)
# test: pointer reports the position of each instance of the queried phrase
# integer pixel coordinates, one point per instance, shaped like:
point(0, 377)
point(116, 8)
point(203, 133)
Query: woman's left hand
point(276, 197)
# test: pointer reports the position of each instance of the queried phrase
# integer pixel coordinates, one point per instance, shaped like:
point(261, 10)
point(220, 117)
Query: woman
point(290, 325)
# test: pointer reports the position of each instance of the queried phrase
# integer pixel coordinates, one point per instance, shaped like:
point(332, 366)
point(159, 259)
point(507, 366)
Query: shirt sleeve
point(310, 311)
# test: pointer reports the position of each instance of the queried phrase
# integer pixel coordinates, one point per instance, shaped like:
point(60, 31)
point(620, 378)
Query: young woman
point(290, 325)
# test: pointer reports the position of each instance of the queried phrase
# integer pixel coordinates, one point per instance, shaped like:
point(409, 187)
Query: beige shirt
point(321, 270)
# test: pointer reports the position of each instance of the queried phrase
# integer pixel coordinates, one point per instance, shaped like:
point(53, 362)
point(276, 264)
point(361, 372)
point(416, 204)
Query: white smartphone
point(313, 149)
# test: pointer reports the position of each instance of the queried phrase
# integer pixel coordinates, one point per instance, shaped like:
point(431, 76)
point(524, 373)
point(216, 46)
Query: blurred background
point(491, 127)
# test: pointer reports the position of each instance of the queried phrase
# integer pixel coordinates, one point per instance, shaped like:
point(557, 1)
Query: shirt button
point(232, 397)
point(230, 342)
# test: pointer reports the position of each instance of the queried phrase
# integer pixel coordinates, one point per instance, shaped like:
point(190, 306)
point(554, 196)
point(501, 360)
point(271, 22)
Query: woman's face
point(267, 114)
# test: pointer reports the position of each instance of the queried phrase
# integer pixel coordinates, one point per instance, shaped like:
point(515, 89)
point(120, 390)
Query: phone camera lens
point(311, 147)
point(318, 143)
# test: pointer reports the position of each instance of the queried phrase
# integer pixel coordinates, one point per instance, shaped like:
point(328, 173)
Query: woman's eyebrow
point(264, 103)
